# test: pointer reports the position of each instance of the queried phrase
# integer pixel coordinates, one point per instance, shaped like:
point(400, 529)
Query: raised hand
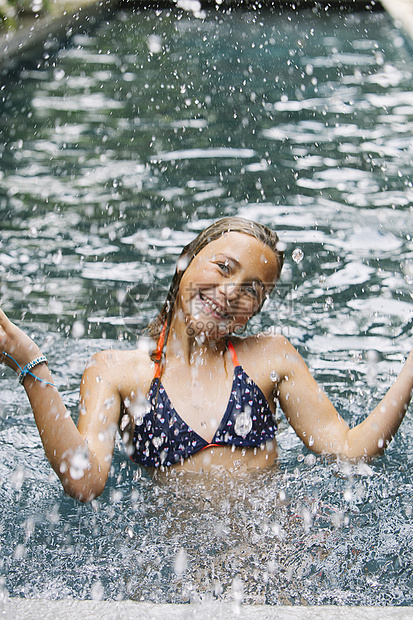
point(16, 347)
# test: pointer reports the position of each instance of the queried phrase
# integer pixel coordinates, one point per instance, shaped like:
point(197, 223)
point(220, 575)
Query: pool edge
point(70, 16)
point(37, 34)
point(26, 609)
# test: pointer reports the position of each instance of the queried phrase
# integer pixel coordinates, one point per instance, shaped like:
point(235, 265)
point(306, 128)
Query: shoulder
point(123, 367)
point(267, 353)
point(268, 344)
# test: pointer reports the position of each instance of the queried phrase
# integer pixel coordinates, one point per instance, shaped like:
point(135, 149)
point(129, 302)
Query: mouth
point(214, 308)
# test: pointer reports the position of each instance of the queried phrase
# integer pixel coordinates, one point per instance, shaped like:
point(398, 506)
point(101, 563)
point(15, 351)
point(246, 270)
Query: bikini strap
point(233, 354)
point(158, 353)
point(159, 349)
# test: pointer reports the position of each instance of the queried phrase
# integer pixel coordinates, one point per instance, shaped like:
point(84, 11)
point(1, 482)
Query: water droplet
point(181, 562)
point(310, 460)
point(57, 258)
point(329, 303)
point(408, 269)
point(154, 44)
point(97, 591)
point(19, 552)
point(237, 588)
point(183, 262)
point(193, 6)
point(274, 376)
point(59, 74)
point(17, 478)
point(78, 465)
point(139, 408)
point(348, 495)
point(166, 232)
point(365, 470)
point(372, 356)
point(29, 525)
point(243, 424)
point(157, 442)
point(307, 519)
point(53, 516)
point(109, 402)
point(116, 496)
point(298, 255)
point(78, 329)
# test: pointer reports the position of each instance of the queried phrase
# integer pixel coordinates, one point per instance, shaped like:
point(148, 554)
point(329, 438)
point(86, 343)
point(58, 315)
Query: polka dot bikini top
point(162, 437)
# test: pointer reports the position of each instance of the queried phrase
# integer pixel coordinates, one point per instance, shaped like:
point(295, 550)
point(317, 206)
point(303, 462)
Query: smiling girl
point(205, 397)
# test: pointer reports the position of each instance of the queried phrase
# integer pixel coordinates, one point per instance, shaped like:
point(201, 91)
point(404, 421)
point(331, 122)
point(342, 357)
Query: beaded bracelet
point(37, 360)
point(27, 369)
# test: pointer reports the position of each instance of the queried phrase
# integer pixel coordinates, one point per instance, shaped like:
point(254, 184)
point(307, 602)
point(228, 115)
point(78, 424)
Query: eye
point(224, 266)
point(252, 290)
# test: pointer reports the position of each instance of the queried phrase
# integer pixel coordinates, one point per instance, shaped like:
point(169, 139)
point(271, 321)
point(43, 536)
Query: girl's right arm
point(81, 456)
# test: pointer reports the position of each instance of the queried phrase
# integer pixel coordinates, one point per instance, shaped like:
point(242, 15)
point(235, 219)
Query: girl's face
point(226, 284)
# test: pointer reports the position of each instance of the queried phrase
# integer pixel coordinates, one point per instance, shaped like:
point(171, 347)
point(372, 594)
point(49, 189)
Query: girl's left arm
point(319, 425)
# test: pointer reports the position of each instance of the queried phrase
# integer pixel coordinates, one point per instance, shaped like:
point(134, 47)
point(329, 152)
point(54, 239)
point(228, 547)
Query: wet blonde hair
point(209, 234)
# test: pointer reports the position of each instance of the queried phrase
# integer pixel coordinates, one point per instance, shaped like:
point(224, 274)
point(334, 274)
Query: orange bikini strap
point(158, 353)
point(233, 354)
point(159, 349)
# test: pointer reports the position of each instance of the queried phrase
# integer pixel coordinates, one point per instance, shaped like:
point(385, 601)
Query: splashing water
point(115, 153)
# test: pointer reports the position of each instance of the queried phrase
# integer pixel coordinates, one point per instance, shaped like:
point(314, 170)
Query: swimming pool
point(115, 153)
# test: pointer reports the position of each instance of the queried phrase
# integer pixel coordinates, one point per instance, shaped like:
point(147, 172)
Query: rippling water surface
point(114, 154)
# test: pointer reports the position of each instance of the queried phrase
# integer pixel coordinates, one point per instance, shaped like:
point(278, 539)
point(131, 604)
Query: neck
point(192, 348)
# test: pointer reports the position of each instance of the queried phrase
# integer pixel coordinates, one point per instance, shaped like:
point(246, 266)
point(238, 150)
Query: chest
point(200, 397)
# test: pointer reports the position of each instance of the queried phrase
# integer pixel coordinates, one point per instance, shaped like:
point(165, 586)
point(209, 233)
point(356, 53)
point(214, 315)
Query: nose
point(229, 290)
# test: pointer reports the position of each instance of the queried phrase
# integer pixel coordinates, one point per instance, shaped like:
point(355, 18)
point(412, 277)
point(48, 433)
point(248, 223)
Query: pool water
point(115, 153)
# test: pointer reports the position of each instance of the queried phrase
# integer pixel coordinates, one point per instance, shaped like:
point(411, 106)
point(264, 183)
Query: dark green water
point(114, 154)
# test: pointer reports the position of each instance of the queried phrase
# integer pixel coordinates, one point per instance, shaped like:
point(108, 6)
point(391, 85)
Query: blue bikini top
point(162, 437)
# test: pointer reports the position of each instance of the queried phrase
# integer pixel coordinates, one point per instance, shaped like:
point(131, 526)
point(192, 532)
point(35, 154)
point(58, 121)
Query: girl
point(204, 397)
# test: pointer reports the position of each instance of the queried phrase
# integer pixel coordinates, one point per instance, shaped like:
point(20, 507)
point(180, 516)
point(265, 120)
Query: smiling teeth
point(214, 306)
